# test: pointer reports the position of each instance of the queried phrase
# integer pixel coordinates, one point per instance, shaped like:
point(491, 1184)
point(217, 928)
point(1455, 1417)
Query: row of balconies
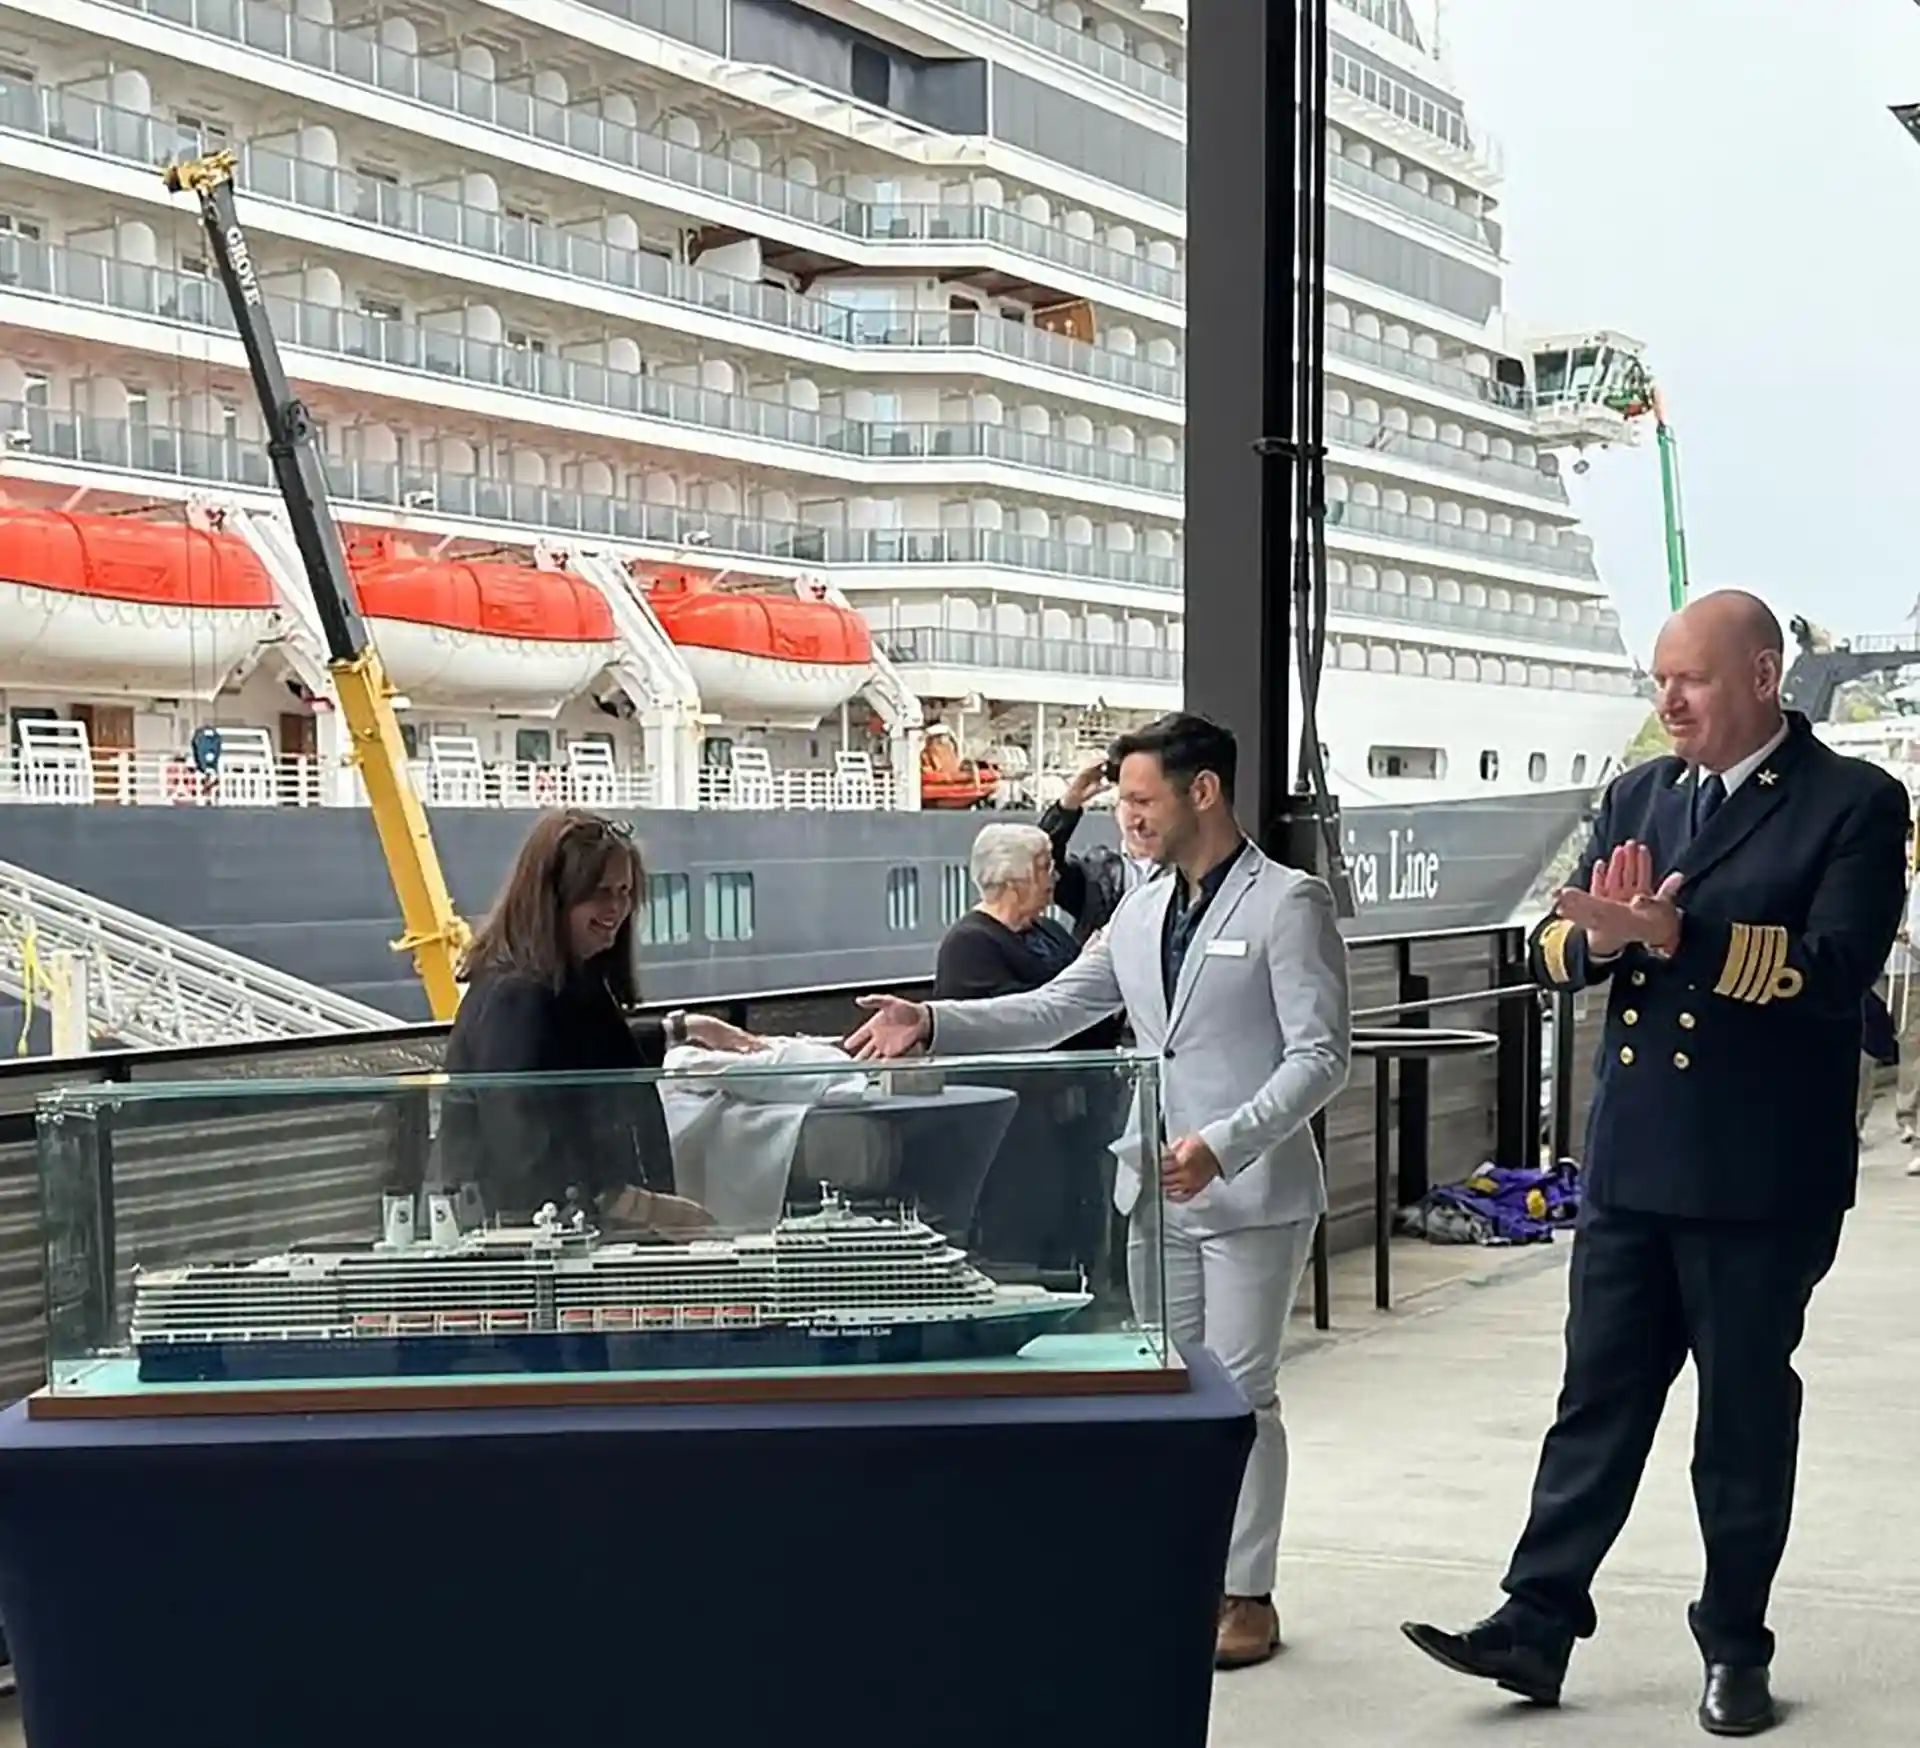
point(328, 330)
point(439, 82)
point(272, 176)
point(79, 276)
point(198, 458)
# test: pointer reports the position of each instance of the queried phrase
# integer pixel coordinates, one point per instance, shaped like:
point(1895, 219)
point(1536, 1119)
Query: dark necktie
point(1707, 799)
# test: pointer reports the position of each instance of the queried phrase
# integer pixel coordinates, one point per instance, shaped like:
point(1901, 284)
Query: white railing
point(147, 984)
point(161, 779)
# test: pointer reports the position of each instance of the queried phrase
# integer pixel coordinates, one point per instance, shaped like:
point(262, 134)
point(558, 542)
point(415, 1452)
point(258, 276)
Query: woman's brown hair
point(561, 864)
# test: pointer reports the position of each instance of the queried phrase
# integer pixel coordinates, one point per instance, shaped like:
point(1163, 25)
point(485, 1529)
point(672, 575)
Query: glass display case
point(784, 1224)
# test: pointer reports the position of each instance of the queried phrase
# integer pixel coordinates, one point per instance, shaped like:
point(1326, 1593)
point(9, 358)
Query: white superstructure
point(877, 301)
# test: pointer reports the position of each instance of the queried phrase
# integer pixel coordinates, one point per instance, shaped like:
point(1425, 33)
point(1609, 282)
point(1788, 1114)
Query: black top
point(523, 1147)
point(1183, 918)
point(1728, 1073)
point(980, 956)
point(1087, 886)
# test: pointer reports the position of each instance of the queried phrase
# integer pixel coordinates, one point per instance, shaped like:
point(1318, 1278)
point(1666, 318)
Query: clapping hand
point(1620, 903)
point(897, 1027)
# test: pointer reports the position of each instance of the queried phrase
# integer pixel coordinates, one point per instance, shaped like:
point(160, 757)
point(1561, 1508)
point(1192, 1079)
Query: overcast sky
point(1721, 180)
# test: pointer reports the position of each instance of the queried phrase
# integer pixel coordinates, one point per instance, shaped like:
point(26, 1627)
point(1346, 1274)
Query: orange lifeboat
point(481, 633)
point(949, 781)
point(112, 604)
point(784, 661)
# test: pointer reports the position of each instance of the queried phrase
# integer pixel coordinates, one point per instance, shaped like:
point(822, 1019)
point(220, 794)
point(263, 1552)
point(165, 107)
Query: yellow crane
point(433, 930)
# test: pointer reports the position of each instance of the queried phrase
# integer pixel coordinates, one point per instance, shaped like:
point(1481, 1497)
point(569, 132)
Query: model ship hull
point(876, 1341)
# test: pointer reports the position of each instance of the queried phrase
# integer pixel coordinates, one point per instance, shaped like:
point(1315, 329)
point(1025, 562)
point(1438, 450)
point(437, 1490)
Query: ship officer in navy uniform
point(1740, 898)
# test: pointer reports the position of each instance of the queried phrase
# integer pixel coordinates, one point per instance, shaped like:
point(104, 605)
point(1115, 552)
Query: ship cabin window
point(1427, 763)
point(1536, 767)
point(1579, 767)
point(533, 746)
point(410, 739)
point(668, 914)
point(22, 714)
point(956, 893)
point(36, 389)
point(1489, 766)
point(903, 899)
point(729, 907)
point(11, 223)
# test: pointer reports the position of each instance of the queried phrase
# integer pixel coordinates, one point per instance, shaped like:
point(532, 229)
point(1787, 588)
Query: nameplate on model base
point(1056, 1365)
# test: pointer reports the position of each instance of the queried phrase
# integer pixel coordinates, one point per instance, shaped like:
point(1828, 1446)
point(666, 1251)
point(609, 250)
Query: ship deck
point(1413, 1438)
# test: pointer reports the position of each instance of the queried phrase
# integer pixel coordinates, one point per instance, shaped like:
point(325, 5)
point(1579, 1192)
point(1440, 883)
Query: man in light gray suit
point(1235, 975)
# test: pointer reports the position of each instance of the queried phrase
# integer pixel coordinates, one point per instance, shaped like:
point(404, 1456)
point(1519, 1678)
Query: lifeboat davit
point(783, 661)
point(480, 633)
point(114, 604)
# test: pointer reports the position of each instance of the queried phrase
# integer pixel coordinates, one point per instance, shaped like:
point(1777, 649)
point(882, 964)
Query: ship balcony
point(1391, 445)
point(281, 194)
point(155, 778)
point(1376, 104)
point(941, 663)
point(1349, 522)
point(1038, 30)
point(684, 179)
point(1483, 394)
point(1473, 623)
point(734, 428)
point(1369, 184)
point(80, 450)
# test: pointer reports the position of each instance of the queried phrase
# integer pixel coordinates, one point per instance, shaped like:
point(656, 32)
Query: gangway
point(151, 985)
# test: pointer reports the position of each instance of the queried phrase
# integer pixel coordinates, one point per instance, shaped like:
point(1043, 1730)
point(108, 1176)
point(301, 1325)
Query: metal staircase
point(147, 984)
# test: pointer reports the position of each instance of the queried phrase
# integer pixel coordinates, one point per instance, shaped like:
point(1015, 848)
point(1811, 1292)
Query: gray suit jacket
point(1258, 1038)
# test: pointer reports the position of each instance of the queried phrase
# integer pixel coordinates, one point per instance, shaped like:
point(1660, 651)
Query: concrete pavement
point(1413, 1438)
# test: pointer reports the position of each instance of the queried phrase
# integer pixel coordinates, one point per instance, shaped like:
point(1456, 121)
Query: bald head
point(1733, 621)
point(1717, 666)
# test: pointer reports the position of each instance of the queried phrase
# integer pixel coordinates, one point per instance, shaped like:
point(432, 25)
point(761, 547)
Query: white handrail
point(152, 985)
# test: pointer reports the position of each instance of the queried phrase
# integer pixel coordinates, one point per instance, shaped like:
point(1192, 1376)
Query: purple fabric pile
point(1498, 1205)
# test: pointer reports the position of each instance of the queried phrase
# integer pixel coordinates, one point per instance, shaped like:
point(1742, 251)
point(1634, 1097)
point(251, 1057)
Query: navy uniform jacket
point(1727, 1075)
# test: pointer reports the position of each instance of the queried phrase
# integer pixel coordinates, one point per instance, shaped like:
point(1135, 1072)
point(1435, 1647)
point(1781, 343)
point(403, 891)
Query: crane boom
point(1677, 578)
point(433, 929)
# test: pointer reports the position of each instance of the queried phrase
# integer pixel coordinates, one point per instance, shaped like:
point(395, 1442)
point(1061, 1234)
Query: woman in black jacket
point(550, 976)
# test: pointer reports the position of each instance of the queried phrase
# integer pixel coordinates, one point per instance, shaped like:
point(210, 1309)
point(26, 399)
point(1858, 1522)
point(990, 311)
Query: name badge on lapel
point(1226, 950)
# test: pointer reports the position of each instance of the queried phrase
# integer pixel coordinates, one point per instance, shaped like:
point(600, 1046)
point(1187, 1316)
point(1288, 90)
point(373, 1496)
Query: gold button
point(1688, 1021)
point(1682, 1060)
point(1639, 977)
point(1626, 1053)
point(1631, 1017)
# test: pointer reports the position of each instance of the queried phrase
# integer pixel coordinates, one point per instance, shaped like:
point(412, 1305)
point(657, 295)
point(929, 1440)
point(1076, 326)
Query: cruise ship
point(833, 1287)
point(761, 417)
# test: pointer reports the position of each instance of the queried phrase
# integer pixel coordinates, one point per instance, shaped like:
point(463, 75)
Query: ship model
point(836, 1287)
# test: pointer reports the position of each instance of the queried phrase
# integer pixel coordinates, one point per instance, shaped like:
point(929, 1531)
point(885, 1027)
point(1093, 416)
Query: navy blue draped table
point(1022, 1571)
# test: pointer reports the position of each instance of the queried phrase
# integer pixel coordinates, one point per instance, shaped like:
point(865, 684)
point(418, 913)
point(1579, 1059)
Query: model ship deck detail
point(833, 1287)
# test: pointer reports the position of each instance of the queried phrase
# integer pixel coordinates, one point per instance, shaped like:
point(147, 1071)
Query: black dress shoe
point(1737, 1701)
point(1492, 1652)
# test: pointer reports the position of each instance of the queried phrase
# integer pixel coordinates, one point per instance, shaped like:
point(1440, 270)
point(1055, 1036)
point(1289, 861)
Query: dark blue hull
point(671, 1350)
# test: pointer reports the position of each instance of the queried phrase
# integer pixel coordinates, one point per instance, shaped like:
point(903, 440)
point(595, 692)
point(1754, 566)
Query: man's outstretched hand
point(1621, 904)
point(897, 1027)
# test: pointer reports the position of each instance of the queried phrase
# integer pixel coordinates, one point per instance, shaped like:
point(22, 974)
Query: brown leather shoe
point(1249, 1632)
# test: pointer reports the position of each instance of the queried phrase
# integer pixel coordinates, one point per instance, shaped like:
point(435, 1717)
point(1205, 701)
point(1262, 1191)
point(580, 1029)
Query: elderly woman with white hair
point(1045, 1198)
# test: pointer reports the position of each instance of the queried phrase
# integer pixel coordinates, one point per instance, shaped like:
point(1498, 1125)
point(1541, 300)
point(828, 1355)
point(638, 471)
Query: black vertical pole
point(1242, 403)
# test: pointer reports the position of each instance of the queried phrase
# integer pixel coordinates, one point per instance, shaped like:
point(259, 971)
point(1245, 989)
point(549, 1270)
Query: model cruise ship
point(739, 411)
point(829, 1288)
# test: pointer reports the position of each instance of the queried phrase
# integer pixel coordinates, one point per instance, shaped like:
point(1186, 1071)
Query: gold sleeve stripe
point(1553, 949)
point(1756, 968)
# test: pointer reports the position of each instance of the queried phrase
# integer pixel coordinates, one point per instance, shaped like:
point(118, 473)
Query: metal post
point(1322, 1262)
point(1566, 1022)
point(1382, 1179)
point(1416, 1099)
point(68, 1016)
